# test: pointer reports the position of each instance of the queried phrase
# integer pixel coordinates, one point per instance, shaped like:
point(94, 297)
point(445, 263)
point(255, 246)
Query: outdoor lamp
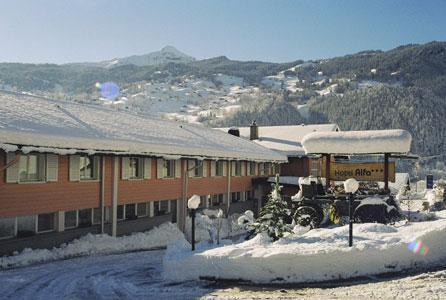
point(193, 204)
point(351, 185)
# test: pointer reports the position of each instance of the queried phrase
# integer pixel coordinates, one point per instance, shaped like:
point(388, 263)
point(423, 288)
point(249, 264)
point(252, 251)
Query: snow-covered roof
point(67, 127)
point(285, 139)
point(358, 142)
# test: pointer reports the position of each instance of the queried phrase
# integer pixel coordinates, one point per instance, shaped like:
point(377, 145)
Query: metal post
point(350, 219)
point(193, 228)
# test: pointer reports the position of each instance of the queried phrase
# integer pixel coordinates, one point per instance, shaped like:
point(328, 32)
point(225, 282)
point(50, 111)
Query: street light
point(350, 187)
point(193, 204)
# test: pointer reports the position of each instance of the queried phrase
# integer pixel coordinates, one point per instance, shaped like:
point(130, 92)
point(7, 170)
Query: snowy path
point(125, 276)
point(138, 276)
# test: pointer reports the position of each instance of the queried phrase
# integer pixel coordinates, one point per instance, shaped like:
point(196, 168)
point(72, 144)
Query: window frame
point(14, 228)
point(140, 168)
point(94, 170)
point(171, 163)
point(77, 219)
point(198, 171)
point(147, 210)
point(47, 230)
point(40, 168)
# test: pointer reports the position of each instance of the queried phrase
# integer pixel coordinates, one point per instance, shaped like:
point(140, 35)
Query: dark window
point(161, 207)
point(87, 168)
point(135, 168)
point(70, 219)
point(198, 172)
point(130, 211)
point(217, 200)
point(84, 217)
point(45, 222)
point(219, 168)
point(26, 226)
point(252, 168)
point(238, 168)
point(97, 215)
point(142, 209)
point(120, 212)
point(7, 227)
point(169, 168)
point(236, 197)
point(173, 210)
point(203, 200)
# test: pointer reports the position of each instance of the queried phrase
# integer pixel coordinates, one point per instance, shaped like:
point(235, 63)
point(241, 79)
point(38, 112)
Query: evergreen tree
point(275, 217)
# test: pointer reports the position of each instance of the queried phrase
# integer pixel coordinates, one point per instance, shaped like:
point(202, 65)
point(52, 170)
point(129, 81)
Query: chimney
point(234, 131)
point(254, 131)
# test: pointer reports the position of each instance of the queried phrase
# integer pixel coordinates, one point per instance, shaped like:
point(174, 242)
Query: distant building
point(286, 140)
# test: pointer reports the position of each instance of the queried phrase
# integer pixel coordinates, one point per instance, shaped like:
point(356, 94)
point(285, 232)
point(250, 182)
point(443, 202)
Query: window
point(252, 168)
point(7, 226)
point(97, 215)
point(173, 210)
point(238, 168)
point(71, 219)
point(26, 226)
point(262, 169)
point(130, 211)
point(247, 195)
point(267, 168)
point(198, 172)
point(143, 209)
point(169, 169)
point(135, 168)
point(45, 222)
point(236, 197)
point(219, 168)
point(84, 217)
point(88, 168)
point(161, 207)
point(31, 167)
point(120, 212)
point(203, 201)
point(314, 167)
point(217, 200)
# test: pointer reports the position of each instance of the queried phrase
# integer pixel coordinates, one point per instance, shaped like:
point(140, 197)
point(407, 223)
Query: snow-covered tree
point(275, 217)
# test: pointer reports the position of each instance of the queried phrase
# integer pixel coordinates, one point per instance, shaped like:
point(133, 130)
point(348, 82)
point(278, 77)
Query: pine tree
point(275, 217)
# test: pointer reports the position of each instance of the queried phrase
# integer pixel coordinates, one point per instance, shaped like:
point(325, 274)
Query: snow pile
point(93, 244)
point(316, 255)
point(358, 142)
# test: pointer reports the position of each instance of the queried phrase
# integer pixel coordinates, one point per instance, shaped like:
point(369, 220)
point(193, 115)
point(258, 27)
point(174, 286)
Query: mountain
point(168, 54)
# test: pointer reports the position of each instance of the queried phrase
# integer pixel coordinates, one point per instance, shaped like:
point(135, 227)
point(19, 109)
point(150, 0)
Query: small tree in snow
point(274, 216)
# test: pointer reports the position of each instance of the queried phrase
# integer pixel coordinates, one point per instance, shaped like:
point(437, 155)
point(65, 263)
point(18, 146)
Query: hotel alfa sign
point(361, 171)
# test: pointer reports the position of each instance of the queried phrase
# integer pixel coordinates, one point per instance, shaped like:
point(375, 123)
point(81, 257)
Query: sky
point(59, 31)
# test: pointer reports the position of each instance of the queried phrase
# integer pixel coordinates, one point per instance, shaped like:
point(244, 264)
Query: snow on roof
point(285, 139)
point(58, 126)
point(358, 142)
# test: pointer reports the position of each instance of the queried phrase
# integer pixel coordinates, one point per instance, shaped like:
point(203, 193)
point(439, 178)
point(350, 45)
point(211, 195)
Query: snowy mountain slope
point(168, 54)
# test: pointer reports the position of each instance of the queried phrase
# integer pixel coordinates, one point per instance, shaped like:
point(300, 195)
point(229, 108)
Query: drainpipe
point(115, 195)
point(186, 191)
point(102, 193)
point(228, 197)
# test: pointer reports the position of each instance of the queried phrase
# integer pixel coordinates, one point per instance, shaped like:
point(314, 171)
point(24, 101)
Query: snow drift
point(93, 244)
point(317, 255)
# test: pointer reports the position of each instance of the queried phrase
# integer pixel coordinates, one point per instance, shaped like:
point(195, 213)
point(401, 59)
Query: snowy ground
point(139, 275)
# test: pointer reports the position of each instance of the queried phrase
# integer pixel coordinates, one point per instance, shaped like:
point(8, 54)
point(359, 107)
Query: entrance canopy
point(394, 141)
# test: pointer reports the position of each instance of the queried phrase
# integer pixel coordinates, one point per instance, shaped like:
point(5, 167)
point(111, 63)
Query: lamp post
point(193, 204)
point(350, 187)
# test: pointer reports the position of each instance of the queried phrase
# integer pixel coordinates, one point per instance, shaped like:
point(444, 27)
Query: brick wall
point(33, 198)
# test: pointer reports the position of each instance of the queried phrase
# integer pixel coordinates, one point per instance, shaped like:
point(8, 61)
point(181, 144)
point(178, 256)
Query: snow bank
point(358, 142)
point(317, 255)
point(93, 244)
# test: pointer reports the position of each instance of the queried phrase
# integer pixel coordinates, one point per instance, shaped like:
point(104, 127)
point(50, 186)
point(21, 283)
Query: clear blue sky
point(61, 31)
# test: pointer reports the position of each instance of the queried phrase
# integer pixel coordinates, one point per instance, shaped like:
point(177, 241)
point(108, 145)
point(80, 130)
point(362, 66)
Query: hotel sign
point(361, 171)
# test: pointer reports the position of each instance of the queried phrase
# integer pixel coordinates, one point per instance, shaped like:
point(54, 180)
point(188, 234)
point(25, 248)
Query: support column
point(327, 171)
point(115, 195)
point(386, 172)
point(228, 197)
point(60, 221)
